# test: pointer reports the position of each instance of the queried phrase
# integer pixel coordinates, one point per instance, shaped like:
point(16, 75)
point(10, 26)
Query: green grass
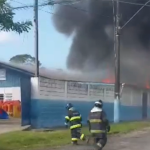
point(27, 140)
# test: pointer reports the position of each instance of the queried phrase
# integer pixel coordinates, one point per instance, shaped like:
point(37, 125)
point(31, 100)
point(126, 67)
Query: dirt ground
point(134, 141)
point(139, 140)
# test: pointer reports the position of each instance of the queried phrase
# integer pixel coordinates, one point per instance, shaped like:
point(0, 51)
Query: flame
point(108, 81)
point(110, 78)
point(147, 85)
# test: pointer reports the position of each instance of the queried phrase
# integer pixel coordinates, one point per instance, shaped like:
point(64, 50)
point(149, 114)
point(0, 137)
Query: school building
point(43, 99)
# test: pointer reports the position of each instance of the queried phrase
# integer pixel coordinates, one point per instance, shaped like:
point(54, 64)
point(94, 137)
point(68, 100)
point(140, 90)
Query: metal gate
point(144, 105)
point(25, 101)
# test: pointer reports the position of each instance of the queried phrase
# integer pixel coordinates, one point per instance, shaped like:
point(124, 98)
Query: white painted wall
point(14, 91)
point(131, 96)
point(50, 89)
point(34, 88)
point(149, 98)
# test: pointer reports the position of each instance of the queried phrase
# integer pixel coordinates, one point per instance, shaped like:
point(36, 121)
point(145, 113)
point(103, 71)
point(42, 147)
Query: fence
point(67, 90)
point(50, 96)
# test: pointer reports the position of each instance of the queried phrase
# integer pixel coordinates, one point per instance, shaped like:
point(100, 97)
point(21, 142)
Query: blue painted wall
point(25, 101)
point(50, 113)
point(148, 112)
point(12, 78)
point(17, 79)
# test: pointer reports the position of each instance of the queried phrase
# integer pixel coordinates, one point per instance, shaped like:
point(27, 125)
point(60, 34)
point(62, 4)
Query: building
point(43, 99)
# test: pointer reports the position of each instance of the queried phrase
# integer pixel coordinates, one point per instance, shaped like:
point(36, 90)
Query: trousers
point(76, 134)
point(100, 140)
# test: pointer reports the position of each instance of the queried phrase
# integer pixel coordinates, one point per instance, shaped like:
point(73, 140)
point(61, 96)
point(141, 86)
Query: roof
point(59, 74)
point(54, 73)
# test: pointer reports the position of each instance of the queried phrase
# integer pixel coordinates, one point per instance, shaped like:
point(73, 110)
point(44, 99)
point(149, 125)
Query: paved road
point(134, 141)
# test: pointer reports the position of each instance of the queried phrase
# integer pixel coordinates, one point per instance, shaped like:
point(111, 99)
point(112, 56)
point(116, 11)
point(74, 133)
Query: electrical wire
point(131, 3)
point(46, 4)
point(83, 10)
point(68, 5)
point(135, 14)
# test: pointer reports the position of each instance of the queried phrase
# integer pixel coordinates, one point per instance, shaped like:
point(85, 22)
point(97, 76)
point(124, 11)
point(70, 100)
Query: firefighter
point(98, 125)
point(74, 119)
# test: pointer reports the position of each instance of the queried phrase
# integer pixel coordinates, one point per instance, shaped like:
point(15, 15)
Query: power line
point(135, 14)
point(83, 10)
point(48, 4)
point(86, 11)
point(131, 3)
point(31, 6)
point(53, 3)
point(24, 5)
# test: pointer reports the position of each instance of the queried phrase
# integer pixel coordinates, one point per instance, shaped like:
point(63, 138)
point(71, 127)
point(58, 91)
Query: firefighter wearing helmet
point(98, 125)
point(74, 119)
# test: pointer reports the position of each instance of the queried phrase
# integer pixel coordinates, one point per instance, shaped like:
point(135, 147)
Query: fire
point(110, 78)
point(147, 85)
point(108, 81)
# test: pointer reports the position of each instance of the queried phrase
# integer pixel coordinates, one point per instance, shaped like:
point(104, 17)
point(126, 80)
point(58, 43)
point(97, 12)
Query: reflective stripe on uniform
point(99, 144)
point(71, 108)
point(67, 118)
point(75, 126)
point(82, 137)
point(74, 139)
point(95, 120)
point(97, 131)
point(74, 118)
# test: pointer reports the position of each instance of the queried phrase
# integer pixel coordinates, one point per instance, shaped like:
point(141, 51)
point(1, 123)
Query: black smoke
point(90, 23)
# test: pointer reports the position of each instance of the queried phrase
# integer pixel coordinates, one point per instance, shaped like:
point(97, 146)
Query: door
point(144, 105)
point(25, 101)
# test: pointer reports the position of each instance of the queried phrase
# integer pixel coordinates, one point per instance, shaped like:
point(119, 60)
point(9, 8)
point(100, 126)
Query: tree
point(6, 20)
point(23, 59)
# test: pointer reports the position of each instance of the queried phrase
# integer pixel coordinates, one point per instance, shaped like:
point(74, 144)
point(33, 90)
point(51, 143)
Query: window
point(1, 97)
point(8, 96)
point(2, 74)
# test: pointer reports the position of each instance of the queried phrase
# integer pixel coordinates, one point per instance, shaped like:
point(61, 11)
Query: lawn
point(28, 140)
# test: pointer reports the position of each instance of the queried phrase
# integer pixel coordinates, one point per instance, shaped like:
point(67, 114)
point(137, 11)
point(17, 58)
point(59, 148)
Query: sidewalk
point(11, 125)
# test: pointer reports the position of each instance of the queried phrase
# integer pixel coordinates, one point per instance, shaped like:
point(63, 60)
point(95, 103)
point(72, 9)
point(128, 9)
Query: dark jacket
point(74, 118)
point(98, 122)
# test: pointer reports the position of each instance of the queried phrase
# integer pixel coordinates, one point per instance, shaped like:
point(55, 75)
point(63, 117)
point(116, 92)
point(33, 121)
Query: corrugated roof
point(53, 74)
point(59, 74)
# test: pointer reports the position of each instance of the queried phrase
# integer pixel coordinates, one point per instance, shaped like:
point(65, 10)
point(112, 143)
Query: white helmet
point(98, 104)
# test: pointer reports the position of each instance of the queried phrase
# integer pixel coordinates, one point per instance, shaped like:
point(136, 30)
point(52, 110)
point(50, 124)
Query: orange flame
point(147, 85)
point(110, 79)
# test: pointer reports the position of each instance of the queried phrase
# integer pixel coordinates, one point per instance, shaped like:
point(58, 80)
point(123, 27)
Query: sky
point(53, 46)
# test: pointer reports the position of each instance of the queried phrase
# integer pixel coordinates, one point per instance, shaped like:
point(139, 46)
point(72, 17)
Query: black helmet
point(68, 106)
point(98, 104)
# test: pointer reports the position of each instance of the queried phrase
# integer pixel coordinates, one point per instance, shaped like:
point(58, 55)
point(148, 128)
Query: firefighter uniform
point(98, 126)
point(74, 119)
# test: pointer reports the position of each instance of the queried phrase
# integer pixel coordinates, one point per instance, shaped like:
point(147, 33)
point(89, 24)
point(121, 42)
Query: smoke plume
point(90, 23)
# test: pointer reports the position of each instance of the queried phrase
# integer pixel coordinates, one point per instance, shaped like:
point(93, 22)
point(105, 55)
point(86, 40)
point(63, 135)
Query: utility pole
point(117, 64)
point(36, 39)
